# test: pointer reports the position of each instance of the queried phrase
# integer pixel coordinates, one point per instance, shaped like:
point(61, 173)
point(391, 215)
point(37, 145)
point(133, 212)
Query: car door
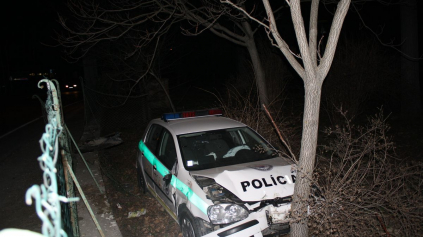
point(166, 155)
point(152, 141)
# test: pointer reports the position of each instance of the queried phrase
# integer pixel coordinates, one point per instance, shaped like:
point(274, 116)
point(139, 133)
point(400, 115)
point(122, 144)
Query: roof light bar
point(190, 114)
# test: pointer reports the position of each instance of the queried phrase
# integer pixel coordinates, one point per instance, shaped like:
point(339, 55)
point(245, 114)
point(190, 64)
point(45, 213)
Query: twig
point(279, 134)
point(383, 43)
point(383, 225)
point(246, 13)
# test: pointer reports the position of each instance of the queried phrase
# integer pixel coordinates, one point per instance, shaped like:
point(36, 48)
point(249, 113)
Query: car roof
point(198, 124)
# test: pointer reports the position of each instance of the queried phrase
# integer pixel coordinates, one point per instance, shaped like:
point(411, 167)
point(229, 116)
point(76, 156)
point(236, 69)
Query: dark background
point(192, 65)
point(28, 46)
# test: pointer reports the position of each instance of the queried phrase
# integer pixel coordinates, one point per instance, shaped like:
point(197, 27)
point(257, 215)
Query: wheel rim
point(187, 228)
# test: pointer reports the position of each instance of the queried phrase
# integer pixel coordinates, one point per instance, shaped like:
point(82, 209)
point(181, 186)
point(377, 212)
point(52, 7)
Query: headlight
point(226, 213)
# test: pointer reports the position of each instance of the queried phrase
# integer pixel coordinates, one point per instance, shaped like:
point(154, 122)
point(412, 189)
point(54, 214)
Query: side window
point(167, 151)
point(237, 137)
point(153, 138)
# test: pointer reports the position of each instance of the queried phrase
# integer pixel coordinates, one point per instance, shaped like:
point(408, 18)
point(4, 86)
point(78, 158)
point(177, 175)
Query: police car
point(216, 176)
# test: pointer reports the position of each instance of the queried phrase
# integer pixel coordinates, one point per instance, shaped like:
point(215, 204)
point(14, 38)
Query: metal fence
point(54, 199)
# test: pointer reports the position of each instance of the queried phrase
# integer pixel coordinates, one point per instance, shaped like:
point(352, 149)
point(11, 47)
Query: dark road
point(21, 109)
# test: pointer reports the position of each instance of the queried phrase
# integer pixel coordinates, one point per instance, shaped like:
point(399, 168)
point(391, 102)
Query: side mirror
point(167, 179)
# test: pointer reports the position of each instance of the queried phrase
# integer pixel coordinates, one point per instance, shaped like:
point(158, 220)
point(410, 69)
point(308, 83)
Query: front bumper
point(267, 221)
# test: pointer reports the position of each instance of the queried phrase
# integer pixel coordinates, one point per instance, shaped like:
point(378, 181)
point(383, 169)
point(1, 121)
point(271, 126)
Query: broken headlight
point(215, 191)
point(226, 213)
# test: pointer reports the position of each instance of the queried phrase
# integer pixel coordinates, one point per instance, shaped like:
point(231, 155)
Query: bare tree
point(147, 20)
point(134, 20)
point(313, 70)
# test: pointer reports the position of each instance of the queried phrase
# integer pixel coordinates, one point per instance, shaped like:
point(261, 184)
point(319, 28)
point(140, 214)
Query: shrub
point(364, 190)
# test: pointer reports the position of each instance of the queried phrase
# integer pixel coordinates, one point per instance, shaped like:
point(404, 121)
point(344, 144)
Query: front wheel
point(188, 227)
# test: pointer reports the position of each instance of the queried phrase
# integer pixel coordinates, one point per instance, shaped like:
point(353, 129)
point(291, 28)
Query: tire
point(188, 226)
point(141, 181)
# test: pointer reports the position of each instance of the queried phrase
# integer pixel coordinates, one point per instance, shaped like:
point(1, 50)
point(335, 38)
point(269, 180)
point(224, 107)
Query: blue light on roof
point(190, 114)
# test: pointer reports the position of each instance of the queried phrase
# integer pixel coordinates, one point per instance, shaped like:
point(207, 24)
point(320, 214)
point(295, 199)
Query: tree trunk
point(255, 59)
point(313, 90)
point(410, 87)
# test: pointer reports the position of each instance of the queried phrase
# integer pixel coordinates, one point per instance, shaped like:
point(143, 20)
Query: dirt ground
point(118, 170)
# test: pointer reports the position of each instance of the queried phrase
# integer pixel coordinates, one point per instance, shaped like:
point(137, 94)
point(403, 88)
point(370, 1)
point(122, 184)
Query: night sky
point(28, 39)
point(27, 26)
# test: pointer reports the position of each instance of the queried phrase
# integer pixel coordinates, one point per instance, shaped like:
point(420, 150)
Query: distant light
point(67, 86)
point(170, 49)
point(74, 85)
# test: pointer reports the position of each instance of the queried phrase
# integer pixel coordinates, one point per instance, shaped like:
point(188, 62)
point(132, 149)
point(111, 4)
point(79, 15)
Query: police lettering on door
point(268, 182)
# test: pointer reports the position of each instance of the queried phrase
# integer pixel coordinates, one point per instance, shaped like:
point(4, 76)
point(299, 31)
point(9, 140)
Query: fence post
point(50, 200)
point(67, 189)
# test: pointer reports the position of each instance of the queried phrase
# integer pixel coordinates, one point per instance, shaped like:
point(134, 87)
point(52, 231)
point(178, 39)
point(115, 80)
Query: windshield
point(209, 149)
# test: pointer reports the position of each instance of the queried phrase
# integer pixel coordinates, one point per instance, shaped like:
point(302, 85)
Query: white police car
point(216, 176)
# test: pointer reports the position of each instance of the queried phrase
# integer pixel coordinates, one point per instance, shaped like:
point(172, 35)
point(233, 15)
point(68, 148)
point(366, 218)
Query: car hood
point(255, 181)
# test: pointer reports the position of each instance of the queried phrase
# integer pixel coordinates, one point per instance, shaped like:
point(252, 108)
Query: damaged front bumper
point(267, 221)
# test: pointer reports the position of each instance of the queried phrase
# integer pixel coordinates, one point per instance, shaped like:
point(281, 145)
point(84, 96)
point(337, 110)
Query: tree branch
point(246, 13)
point(335, 30)
point(301, 36)
point(281, 43)
point(313, 31)
point(380, 40)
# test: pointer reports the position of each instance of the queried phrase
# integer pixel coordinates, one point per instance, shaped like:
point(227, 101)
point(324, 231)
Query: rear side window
point(160, 142)
point(153, 138)
point(167, 153)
